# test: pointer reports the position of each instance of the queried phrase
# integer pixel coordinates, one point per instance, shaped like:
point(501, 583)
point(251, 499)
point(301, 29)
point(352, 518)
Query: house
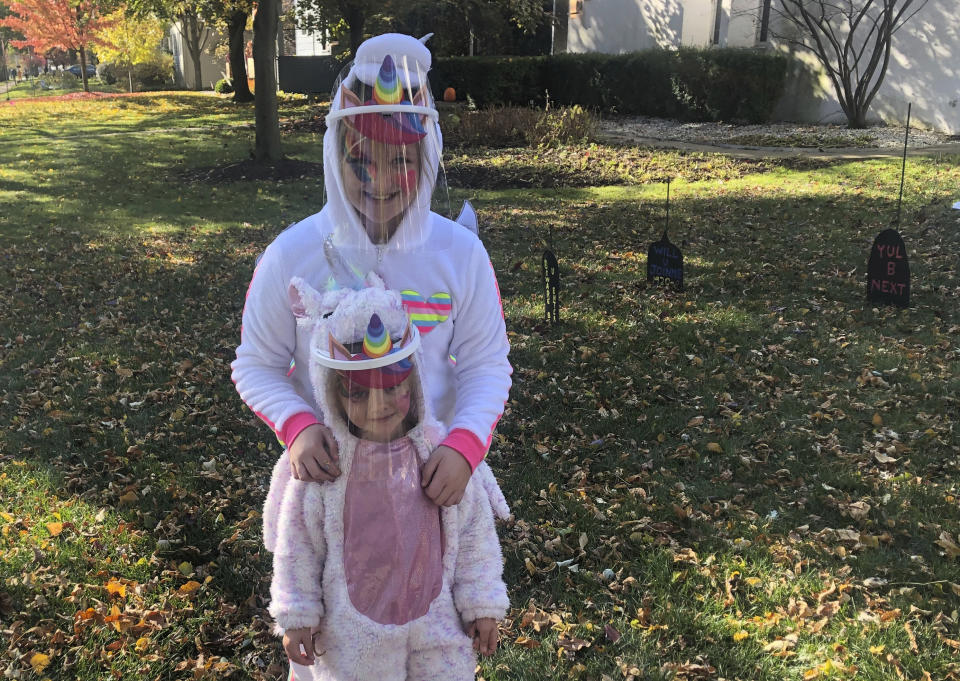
point(211, 67)
point(924, 66)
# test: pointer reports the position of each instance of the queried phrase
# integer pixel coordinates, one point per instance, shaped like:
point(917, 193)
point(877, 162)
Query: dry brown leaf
point(947, 543)
point(526, 642)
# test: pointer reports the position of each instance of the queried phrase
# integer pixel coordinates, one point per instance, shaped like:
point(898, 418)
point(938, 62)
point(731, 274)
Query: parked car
point(75, 70)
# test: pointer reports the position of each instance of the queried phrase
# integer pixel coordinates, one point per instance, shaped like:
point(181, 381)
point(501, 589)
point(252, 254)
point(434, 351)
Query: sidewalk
point(851, 154)
point(9, 85)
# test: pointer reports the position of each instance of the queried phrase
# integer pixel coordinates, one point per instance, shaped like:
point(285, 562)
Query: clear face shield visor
point(373, 380)
point(385, 148)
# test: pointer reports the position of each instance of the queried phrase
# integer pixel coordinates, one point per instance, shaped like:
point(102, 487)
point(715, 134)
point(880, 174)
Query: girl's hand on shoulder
point(483, 631)
point(314, 456)
point(292, 640)
point(444, 476)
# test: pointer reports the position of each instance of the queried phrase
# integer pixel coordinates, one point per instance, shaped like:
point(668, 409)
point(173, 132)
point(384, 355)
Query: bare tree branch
point(852, 40)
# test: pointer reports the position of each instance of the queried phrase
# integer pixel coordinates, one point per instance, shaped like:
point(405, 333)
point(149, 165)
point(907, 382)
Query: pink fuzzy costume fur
point(304, 527)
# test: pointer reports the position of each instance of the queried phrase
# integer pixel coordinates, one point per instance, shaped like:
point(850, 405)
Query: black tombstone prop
point(664, 259)
point(665, 263)
point(551, 287)
point(888, 270)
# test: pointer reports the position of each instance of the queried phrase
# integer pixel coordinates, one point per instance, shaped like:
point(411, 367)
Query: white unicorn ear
point(374, 281)
point(304, 299)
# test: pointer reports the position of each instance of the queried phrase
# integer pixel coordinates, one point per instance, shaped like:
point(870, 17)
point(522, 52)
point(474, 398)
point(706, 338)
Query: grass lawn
point(757, 478)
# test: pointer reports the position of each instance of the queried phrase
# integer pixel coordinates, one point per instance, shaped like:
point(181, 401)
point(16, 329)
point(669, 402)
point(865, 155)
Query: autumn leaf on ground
point(39, 662)
point(947, 543)
point(189, 588)
point(526, 642)
point(115, 588)
point(570, 646)
point(54, 529)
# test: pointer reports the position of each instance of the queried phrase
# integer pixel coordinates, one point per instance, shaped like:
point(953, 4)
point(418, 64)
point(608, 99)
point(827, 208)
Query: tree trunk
point(267, 146)
point(238, 62)
point(83, 68)
point(191, 31)
point(357, 18)
point(130, 78)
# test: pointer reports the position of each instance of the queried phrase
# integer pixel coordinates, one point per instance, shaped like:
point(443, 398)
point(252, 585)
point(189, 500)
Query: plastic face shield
point(373, 380)
point(383, 149)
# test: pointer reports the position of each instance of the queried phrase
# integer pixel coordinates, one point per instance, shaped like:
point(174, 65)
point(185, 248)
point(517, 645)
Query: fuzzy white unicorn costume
point(389, 578)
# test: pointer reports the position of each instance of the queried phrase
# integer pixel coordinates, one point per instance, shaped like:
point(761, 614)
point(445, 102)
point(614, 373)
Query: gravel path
point(792, 136)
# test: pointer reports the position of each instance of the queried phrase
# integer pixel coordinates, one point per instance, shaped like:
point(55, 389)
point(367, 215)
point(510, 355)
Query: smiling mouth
point(383, 197)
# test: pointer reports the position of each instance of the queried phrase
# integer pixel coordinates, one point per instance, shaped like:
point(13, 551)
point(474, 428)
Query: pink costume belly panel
point(392, 543)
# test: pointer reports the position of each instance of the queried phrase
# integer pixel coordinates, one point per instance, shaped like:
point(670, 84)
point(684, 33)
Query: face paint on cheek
point(403, 404)
point(362, 170)
point(407, 181)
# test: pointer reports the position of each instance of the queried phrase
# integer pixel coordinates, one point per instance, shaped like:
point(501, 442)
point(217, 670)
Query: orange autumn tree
point(68, 24)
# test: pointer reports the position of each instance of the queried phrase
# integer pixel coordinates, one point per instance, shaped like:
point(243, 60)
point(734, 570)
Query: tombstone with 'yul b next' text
point(888, 270)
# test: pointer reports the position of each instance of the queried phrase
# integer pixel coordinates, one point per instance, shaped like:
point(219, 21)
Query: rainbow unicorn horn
point(376, 341)
point(387, 89)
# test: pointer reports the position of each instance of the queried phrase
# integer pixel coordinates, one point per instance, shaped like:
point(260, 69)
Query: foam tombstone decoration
point(665, 263)
point(888, 270)
point(664, 259)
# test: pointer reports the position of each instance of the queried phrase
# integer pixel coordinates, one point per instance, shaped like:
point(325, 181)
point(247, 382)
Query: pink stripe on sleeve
point(468, 445)
point(294, 425)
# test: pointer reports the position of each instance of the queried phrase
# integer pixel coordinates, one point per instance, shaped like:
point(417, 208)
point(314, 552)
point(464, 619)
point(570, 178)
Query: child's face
point(380, 181)
point(377, 413)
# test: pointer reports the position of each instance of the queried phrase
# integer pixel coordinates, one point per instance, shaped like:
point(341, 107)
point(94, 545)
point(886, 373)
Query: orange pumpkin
point(449, 95)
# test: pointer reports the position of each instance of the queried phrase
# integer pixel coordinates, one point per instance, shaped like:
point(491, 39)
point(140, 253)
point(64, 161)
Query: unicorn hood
point(367, 335)
point(382, 154)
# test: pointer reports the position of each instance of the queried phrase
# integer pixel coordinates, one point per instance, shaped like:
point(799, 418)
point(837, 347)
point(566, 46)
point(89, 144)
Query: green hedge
point(712, 84)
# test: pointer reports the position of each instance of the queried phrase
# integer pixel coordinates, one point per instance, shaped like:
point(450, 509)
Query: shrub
point(152, 75)
point(568, 125)
point(108, 73)
point(223, 87)
point(514, 126)
point(709, 84)
point(498, 127)
point(492, 81)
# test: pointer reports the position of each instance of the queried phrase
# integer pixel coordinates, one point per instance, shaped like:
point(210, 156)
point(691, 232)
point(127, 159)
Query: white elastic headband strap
point(326, 360)
point(382, 108)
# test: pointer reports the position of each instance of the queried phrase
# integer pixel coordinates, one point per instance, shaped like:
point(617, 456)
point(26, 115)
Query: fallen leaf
point(189, 588)
point(714, 447)
point(116, 588)
point(877, 420)
point(947, 543)
point(54, 529)
point(611, 633)
point(39, 662)
point(526, 642)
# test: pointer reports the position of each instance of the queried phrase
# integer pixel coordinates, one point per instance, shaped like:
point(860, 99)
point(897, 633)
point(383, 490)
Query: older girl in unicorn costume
point(382, 173)
point(372, 581)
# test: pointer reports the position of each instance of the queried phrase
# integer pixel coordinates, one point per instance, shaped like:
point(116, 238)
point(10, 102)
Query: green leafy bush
point(152, 75)
point(710, 84)
point(223, 87)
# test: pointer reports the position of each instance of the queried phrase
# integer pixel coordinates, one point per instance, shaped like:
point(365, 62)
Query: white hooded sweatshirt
point(441, 268)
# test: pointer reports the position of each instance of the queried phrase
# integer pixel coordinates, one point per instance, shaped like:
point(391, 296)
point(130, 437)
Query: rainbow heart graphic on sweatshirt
point(426, 313)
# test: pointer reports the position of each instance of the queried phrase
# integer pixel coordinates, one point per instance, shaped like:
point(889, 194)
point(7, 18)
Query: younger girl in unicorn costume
point(382, 173)
point(372, 581)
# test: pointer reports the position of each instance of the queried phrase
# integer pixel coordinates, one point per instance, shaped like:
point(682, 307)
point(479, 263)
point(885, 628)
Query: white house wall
point(924, 70)
point(211, 69)
point(618, 26)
